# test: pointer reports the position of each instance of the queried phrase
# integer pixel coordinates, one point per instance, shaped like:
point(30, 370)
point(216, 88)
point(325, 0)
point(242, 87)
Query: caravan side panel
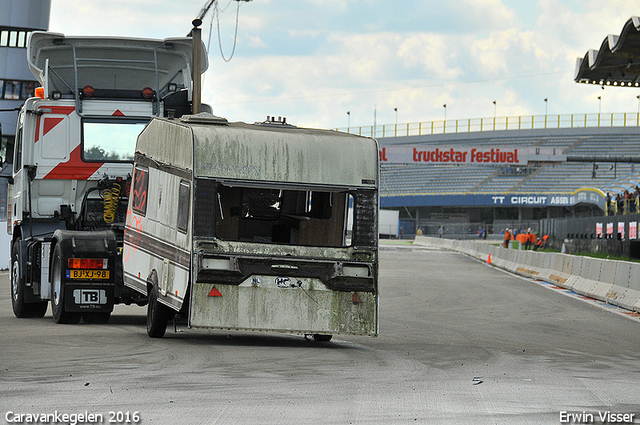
point(157, 239)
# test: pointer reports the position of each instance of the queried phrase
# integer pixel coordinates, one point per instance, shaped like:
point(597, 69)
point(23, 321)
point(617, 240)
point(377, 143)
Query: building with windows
point(18, 18)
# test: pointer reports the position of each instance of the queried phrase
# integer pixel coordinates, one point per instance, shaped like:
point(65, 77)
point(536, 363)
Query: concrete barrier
point(591, 283)
point(548, 264)
point(615, 282)
point(608, 271)
point(633, 291)
point(577, 268)
point(559, 269)
point(564, 271)
point(528, 264)
point(619, 290)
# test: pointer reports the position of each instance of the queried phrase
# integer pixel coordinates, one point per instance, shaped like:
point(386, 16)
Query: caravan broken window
point(283, 215)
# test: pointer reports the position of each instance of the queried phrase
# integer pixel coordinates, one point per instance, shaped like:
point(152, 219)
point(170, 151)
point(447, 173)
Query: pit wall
point(615, 282)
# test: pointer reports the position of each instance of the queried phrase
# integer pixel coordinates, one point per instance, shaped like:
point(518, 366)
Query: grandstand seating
point(566, 177)
point(421, 178)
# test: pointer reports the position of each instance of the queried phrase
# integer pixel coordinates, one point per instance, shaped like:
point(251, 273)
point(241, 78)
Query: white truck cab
point(73, 162)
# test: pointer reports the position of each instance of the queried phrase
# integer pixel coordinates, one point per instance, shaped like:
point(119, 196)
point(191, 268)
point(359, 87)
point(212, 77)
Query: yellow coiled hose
point(111, 196)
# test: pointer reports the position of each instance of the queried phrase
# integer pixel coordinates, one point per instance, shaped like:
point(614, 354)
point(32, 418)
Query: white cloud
point(492, 14)
point(257, 43)
point(313, 60)
point(431, 54)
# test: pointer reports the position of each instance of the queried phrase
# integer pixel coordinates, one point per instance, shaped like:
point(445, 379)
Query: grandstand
point(567, 164)
point(464, 196)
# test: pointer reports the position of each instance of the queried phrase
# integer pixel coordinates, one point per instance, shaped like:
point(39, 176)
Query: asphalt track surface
point(461, 343)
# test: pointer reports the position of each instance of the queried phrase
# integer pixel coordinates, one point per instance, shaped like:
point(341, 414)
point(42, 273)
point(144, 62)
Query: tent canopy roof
point(617, 62)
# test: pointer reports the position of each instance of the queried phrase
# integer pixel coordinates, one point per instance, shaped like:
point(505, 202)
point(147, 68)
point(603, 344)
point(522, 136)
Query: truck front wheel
point(58, 289)
point(21, 308)
point(158, 315)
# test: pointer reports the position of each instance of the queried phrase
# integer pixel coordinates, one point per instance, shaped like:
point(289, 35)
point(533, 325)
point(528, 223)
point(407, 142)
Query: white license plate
point(90, 296)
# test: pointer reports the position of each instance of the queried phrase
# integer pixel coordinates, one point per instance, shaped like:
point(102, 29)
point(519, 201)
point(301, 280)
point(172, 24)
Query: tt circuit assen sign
point(452, 155)
point(587, 195)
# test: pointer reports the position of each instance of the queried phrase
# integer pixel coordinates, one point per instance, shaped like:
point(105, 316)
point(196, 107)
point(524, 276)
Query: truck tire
point(21, 309)
point(158, 315)
point(58, 289)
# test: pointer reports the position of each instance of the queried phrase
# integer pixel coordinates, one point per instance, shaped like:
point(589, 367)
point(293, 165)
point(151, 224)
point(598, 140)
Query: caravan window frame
point(210, 208)
point(184, 205)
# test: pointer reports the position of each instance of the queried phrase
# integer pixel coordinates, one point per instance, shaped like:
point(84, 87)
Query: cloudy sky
point(315, 60)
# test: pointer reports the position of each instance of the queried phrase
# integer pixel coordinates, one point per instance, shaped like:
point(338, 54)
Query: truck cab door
point(20, 174)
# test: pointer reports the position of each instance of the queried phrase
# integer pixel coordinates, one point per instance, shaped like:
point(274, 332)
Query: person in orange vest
point(507, 237)
point(541, 243)
point(529, 239)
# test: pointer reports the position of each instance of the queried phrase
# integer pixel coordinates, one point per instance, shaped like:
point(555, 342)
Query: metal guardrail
point(527, 122)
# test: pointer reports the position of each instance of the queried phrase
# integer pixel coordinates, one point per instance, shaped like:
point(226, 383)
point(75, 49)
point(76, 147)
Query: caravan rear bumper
point(283, 304)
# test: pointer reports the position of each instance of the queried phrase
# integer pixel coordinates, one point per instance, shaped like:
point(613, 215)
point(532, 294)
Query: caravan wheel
point(157, 315)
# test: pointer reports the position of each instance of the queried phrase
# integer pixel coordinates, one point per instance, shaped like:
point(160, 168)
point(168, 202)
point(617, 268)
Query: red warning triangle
point(214, 292)
point(117, 113)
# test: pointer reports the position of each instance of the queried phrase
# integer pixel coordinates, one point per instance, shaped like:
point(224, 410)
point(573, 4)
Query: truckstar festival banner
point(451, 155)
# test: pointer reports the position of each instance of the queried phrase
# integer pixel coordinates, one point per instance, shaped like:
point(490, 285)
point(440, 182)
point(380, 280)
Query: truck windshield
point(280, 215)
point(110, 140)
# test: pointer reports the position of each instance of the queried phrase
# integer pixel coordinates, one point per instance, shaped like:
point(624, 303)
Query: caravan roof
point(239, 151)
